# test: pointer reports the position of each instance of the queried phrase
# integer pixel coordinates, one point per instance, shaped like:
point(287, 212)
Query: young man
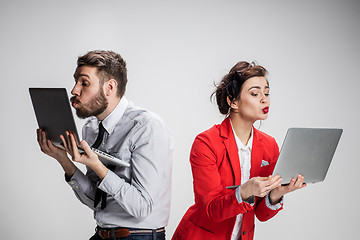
point(127, 201)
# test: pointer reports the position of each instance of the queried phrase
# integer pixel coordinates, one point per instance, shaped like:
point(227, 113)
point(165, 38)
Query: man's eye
point(267, 94)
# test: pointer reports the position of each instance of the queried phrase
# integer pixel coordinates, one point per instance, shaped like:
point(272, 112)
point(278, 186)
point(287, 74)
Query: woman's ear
point(232, 103)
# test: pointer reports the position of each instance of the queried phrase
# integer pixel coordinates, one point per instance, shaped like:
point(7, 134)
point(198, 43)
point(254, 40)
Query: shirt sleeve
point(83, 188)
point(250, 200)
point(276, 206)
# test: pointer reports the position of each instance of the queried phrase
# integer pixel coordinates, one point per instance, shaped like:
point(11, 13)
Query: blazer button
point(244, 233)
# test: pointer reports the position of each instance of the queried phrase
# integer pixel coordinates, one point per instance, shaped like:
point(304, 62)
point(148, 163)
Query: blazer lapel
point(231, 149)
point(256, 155)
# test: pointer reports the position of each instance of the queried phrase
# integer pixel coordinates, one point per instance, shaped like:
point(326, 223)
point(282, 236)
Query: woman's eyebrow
point(258, 87)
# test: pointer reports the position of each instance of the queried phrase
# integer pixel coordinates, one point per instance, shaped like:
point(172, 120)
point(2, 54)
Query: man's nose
point(76, 90)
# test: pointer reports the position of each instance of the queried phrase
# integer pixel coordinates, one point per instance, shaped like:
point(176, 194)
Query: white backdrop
point(175, 51)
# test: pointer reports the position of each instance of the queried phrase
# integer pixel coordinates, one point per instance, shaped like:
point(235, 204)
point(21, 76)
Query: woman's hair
point(109, 65)
point(231, 84)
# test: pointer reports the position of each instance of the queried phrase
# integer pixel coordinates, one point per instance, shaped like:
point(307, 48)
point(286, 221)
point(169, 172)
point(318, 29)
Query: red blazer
point(215, 164)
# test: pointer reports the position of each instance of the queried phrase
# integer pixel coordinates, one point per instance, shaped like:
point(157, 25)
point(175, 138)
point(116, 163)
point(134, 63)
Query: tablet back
point(53, 112)
point(307, 151)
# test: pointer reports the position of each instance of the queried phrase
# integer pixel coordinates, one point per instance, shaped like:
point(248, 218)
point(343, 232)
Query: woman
point(232, 164)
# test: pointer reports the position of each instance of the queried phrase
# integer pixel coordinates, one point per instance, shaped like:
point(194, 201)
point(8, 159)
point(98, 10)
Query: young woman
point(232, 164)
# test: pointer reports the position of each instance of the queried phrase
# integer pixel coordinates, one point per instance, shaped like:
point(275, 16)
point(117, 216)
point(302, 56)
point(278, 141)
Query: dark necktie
point(99, 137)
point(100, 195)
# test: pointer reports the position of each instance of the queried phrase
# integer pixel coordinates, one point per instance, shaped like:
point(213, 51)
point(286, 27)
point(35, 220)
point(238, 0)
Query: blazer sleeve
point(219, 203)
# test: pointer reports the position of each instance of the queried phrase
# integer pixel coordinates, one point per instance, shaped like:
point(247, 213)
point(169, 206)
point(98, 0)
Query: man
point(135, 200)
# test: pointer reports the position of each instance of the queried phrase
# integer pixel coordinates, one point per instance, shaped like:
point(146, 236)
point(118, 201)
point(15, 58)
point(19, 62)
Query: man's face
point(89, 98)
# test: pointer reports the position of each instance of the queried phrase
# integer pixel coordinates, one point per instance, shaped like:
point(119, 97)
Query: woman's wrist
point(274, 198)
point(244, 193)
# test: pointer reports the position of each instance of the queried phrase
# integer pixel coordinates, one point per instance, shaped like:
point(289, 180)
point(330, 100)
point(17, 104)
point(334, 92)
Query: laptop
point(54, 115)
point(307, 151)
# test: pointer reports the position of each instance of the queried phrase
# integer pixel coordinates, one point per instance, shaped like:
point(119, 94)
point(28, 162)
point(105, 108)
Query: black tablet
point(53, 112)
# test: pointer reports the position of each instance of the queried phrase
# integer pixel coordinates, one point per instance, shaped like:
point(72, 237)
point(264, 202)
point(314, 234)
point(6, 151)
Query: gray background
point(175, 51)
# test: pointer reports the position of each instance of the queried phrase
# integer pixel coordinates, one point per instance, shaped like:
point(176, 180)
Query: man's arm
point(81, 184)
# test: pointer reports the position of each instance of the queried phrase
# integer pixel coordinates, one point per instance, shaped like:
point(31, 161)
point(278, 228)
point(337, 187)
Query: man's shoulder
point(91, 121)
point(140, 115)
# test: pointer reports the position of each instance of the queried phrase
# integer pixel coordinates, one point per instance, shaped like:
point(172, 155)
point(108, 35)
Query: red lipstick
point(265, 110)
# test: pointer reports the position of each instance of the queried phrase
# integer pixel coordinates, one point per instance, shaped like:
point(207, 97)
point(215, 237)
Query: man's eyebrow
point(77, 75)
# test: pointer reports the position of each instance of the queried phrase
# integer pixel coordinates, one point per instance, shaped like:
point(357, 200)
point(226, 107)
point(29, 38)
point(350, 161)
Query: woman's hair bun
point(231, 84)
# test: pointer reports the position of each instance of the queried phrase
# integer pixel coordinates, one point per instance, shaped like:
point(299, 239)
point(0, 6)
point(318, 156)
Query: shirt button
point(244, 233)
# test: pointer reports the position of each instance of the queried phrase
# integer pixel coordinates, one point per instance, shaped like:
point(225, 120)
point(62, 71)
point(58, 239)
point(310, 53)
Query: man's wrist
point(100, 170)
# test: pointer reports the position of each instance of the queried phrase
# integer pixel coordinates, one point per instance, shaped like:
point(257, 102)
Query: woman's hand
point(88, 158)
point(259, 186)
point(277, 193)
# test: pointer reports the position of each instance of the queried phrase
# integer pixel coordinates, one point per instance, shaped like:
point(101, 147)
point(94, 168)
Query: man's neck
point(111, 106)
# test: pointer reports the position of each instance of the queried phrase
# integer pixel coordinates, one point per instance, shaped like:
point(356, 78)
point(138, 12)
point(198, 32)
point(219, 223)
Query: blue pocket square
point(264, 163)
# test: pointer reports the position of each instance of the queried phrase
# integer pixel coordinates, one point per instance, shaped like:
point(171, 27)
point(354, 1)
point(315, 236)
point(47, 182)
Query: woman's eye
point(267, 94)
point(254, 94)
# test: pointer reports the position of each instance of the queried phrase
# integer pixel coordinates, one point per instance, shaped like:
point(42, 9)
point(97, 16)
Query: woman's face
point(254, 101)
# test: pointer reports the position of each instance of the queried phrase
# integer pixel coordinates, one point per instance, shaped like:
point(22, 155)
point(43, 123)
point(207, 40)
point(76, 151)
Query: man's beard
point(96, 105)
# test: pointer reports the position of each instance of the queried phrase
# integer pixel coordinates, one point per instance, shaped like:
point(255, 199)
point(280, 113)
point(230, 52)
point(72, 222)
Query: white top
point(245, 165)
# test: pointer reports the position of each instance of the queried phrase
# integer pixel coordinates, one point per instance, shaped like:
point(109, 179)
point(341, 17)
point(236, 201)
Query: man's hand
point(59, 154)
point(49, 148)
point(88, 158)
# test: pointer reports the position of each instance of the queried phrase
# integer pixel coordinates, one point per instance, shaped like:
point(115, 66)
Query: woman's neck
point(242, 128)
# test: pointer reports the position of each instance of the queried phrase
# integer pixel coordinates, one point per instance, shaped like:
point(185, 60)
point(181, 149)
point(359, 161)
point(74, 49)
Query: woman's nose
point(264, 98)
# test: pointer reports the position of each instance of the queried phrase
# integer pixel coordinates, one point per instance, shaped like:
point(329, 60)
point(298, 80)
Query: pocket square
point(264, 163)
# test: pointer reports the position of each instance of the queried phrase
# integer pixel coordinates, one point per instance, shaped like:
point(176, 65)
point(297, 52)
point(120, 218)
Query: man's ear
point(110, 87)
point(232, 103)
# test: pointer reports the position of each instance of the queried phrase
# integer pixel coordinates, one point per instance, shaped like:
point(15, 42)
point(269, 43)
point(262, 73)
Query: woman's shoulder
point(263, 134)
point(212, 133)
point(264, 137)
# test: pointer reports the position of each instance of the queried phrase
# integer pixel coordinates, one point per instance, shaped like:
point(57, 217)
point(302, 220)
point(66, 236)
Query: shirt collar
point(112, 119)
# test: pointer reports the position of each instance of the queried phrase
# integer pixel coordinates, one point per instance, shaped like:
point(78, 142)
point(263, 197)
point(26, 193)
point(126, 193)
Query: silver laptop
point(307, 151)
point(54, 115)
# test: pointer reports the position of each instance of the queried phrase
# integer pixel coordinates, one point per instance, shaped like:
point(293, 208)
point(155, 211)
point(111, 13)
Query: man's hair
point(109, 64)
